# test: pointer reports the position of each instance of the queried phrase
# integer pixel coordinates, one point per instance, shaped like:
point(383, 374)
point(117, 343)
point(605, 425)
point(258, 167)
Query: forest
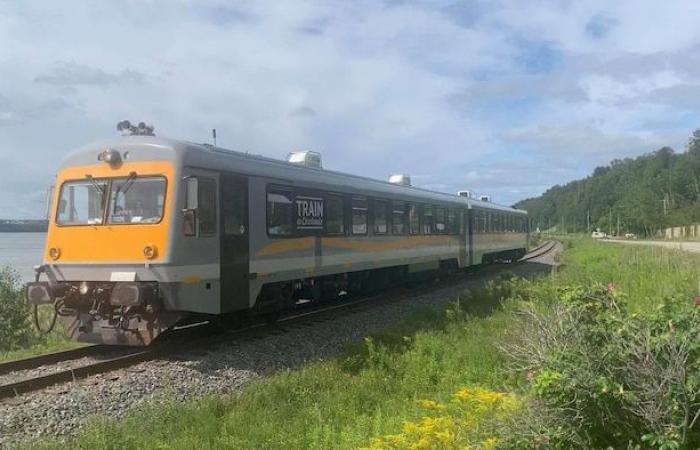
point(639, 195)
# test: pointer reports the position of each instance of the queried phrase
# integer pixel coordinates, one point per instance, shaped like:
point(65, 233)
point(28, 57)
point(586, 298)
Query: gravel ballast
point(61, 410)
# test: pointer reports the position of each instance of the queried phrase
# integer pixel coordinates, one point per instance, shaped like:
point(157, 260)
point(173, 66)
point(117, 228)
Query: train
point(146, 233)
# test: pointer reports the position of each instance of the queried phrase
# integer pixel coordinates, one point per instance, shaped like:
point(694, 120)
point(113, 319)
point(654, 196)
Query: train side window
point(440, 220)
point(335, 214)
point(398, 218)
point(428, 220)
point(206, 206)
point(451, 222)
point(413, 219)
point(359, 215)
point(280, 212)
point(380, 219)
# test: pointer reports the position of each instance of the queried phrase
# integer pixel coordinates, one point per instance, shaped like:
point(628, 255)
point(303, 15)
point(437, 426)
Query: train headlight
point(150, 251)
point(110, 156)
point(39, 293)
point(84, 288)
point(55, 253)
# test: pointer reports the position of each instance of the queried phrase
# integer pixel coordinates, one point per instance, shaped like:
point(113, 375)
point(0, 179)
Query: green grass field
point(402, 388)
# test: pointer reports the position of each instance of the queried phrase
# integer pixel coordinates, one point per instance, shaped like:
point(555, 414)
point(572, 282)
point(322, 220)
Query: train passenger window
point(280, 212)
point(359, 215)
point(413, 219)
point(206, 206)
point(451, 226)
point(81, 202)
point(398, 222)
point(428, 220)
point(335, 214)
point(379, 214)
point(440, 220)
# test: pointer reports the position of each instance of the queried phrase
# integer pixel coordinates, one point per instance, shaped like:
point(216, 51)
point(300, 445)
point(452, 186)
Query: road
point(693, 247)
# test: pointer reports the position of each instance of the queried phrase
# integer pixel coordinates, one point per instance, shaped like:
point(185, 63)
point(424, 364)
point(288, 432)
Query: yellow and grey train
point(146, 232)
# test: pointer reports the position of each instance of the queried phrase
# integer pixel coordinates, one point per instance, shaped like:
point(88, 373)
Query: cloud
point(600, 25)
point(501, 97)
point(71, 74)
point(302, 111)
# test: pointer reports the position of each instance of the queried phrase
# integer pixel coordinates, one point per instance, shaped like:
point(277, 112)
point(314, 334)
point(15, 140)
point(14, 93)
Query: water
point(21, 252)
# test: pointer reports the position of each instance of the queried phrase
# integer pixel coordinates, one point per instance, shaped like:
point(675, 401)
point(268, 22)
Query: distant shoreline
point(23, 226)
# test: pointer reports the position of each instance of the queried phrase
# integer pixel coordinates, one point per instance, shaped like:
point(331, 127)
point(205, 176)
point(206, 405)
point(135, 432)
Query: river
point(21, 252)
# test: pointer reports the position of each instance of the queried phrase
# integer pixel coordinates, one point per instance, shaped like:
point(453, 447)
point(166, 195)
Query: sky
point(505, 98)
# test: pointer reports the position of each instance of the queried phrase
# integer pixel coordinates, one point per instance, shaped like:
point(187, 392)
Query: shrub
point(16, 330)
point(616, 378)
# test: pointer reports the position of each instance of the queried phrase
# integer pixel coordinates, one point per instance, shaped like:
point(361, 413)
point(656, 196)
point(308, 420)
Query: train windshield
point(126, 200)
point(81, 202)
point(137, 200)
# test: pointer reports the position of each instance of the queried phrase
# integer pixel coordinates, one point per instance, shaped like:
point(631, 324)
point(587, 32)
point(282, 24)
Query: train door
point(235, 236)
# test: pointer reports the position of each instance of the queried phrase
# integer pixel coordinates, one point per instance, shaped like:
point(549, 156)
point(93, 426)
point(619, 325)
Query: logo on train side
point(309, 213)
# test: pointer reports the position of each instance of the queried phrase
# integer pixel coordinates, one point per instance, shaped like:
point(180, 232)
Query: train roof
point(205, 156)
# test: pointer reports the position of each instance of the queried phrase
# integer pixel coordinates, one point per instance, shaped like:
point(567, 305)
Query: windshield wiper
point(98, 187)
point(123, 188)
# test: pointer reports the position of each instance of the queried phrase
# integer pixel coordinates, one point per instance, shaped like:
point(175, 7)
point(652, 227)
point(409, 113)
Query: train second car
point(146, 232)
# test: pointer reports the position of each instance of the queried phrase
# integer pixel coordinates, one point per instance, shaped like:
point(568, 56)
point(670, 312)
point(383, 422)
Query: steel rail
point(150, 353)
point(78, 373)
point(50, 358)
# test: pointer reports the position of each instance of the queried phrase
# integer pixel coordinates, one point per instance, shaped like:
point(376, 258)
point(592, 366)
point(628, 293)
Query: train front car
point(107, 260)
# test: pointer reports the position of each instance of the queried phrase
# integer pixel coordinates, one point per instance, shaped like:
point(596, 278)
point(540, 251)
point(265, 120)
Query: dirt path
point(693, 247)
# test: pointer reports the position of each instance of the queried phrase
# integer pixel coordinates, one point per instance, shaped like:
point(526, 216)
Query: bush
point(615, 378)
point(16, 330)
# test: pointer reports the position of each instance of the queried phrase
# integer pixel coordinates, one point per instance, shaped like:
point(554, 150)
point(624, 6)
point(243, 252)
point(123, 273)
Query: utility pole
point(609, 220)
point(588, 221)
point(618, 225)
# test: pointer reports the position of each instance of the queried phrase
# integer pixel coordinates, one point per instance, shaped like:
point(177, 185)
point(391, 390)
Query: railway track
point(127, 357)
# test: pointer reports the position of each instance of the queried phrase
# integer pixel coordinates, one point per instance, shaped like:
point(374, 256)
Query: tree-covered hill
point(643, 195)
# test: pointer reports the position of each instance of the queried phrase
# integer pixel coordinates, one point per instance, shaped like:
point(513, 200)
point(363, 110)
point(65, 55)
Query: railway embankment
point(599, 352)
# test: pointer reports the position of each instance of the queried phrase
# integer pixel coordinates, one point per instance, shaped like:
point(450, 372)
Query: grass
point(54, 342)
point(377, 384)
point(18, 338)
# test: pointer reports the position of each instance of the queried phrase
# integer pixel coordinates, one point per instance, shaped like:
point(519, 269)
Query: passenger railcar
point(146, 231)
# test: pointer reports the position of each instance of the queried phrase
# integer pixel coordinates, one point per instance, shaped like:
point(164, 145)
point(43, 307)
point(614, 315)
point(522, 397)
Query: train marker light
point(55, 253)
point(149, 251)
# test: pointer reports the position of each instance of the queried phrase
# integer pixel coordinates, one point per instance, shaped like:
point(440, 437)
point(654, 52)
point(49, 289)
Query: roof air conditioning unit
point(306, 159)
point(401, 179)
point(485, 198)
point(468, 194)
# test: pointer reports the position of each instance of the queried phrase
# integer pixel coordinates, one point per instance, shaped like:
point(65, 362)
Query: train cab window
point(137, 200)
point(206, 206)
point(413, 219)
point(440, 227)
point(380, 217)
point(280, 212)
point(428, 220)
point(451, 226)
point(81, 202)
point(359, 215)
point(398, 218)
point(335, 214)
